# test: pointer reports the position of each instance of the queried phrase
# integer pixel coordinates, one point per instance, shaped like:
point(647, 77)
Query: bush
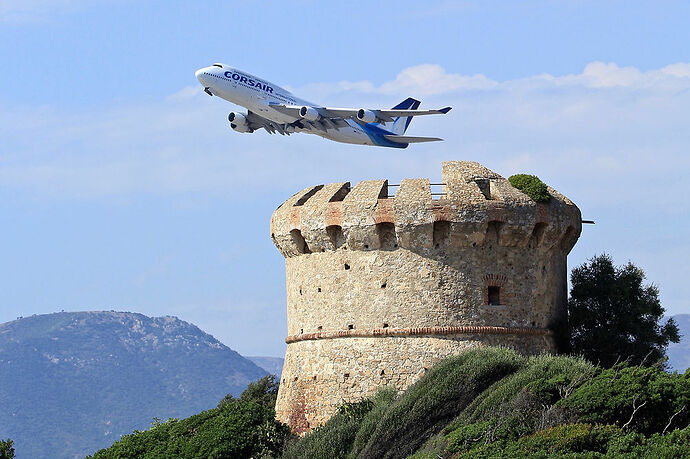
point(333, 439)
point(382, 401)
point(547, 377)
point(569, 438)
point(428, 405)
point(586, 441)
point(243, 427)
point(531, 186)
point(613, 394)
point(519, 404)
point(346, 432)
point(671, 445)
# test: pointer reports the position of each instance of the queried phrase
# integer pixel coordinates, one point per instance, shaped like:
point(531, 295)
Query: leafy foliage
point(582, 440)
point(334, 439)
point(382, 401)
point(6, 449)
point(613, 316)
point(437, 398)
point(242, 427)
point(531, 186)
point(558, 441)
point(644, 399)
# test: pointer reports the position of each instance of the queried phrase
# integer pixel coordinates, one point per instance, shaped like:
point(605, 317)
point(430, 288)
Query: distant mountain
point(679, 353)
point(71, 383)
point(274, 365)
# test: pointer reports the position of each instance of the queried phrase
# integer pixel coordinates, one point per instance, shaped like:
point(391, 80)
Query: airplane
point(276, 110)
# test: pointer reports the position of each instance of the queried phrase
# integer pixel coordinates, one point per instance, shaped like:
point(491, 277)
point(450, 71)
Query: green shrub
point(334, 439)
point(545, 376)
point(243, 427)
point(613, 394)
point(569, 438)
point(586, 441)
point(671, 445)
point(531, 186)
point(382, 400)
point(427, 406)
point(464, 437)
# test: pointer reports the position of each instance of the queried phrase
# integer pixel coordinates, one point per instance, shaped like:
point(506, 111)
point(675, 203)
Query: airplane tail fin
point(401, 123)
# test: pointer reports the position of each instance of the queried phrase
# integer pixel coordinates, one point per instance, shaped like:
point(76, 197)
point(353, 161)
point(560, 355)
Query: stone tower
point(383, 284)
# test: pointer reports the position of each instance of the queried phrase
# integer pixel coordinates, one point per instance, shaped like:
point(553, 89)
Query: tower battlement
point(384, 280)
point(473, 207)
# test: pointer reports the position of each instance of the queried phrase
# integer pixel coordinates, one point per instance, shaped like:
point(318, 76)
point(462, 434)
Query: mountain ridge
point(71, 382)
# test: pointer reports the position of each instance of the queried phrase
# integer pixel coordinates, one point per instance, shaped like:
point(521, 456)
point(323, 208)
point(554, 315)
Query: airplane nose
point(199, 75)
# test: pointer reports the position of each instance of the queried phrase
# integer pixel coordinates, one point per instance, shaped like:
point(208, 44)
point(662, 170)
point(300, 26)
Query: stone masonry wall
point(380, 288)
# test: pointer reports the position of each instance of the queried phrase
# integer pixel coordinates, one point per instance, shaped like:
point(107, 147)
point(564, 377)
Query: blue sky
point(121, 186)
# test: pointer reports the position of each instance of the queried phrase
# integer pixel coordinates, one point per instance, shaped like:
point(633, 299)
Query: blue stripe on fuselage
point(376, 134)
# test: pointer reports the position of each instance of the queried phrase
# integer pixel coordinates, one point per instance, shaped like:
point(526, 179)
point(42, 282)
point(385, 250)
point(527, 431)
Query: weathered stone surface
point(379, 289)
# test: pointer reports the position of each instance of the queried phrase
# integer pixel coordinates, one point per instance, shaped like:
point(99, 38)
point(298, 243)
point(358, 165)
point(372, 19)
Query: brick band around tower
point(384, 281)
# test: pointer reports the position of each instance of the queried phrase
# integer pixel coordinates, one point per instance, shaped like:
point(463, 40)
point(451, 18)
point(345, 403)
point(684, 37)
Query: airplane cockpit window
point(217, 65)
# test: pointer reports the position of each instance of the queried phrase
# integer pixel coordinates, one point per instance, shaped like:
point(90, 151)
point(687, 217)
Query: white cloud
point(431, 79)
point(680, 70)
point(428, 79)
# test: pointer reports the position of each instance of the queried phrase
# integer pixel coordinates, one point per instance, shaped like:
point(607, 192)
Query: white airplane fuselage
point(256, 95)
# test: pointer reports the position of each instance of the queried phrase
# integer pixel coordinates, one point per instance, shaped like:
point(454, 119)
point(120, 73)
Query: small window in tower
point(350, 327)
point(494, 295)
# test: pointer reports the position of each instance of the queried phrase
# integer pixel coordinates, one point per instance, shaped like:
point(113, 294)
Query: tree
point(612, 316)
point(6, 449)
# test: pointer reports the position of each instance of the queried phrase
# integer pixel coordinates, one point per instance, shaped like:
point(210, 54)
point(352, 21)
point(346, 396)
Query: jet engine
point(309, 113)
point(238, 122)
point(366, 116)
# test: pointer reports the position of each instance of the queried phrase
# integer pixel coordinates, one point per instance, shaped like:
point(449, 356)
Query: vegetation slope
point(487, 402)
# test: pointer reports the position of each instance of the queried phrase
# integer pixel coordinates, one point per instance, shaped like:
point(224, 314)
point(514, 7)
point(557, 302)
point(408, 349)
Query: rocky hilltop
point(73, 382)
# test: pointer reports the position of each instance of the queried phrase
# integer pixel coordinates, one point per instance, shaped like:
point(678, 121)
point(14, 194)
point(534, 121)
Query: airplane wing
point(344, 113)
point(257, 122)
